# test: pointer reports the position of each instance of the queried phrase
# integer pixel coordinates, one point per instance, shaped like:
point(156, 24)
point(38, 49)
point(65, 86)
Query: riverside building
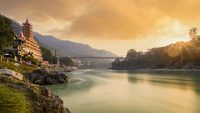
point(30, 44)
point(26, 44)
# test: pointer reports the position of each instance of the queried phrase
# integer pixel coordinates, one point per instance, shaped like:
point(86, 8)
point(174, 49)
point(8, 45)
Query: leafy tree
point(66, 61)
point(6, 32)
point(187, 57)
point(131, 54)
point(54, 60)
point(115, 64)
point(46, 54)
point(30, 58)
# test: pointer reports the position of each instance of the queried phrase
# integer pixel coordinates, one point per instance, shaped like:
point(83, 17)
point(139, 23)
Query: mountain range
point(65, 47)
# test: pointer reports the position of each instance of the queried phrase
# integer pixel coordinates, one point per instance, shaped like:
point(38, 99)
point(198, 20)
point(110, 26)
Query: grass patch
point(22, 68)
point(13, 101)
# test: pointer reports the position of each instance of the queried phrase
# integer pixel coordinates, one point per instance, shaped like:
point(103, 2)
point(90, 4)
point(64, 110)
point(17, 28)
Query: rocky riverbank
point(42, 77)
point(41, 99)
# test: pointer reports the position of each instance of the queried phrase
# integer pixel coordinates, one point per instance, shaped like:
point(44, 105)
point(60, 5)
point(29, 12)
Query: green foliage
point(175, 56)
point(33, 61)
point(46, 54)
point(13, 101)
point(22, 68)
point(131, 53)
point(1, 52)
point(66, 61)
point(54, 60)
point(30, 58)
point(6, 32)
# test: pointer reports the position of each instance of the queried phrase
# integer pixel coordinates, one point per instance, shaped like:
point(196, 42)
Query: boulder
point(43, 78)
point(39, 82)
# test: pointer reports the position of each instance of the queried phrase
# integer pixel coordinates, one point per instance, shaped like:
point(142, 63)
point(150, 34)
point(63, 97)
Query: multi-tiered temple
point(30, 46)
point(25, 44)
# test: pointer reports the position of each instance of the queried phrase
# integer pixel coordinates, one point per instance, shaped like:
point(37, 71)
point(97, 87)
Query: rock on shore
point(42, 100)
point(41, 77)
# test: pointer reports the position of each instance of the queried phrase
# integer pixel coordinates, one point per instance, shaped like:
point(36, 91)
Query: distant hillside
point(66, 48)
point(70, 48)
point(180, 55)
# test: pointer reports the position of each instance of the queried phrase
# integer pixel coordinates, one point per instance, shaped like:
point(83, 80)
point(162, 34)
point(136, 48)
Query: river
point(108, 91)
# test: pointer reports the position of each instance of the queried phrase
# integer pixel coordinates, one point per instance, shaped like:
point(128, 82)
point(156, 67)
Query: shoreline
point(159, 70)
point(31, 84)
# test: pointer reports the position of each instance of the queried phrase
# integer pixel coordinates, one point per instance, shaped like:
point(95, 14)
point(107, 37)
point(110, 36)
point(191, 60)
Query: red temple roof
point(21, 35)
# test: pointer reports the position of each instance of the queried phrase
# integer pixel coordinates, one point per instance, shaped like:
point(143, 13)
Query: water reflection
point(107, 91)
point(182, 80)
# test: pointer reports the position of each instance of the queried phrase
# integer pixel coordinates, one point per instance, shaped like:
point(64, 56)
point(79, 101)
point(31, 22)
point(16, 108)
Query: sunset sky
point(114, 25)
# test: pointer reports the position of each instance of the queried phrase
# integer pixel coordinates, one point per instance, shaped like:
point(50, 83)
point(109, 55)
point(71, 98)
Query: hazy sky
point(114, 25)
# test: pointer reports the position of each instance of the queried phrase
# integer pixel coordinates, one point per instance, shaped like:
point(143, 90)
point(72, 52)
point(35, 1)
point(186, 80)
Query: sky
point(113, 25)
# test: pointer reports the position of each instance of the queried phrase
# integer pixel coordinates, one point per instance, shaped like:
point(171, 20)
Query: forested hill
point(6, 33)
point(180, 55)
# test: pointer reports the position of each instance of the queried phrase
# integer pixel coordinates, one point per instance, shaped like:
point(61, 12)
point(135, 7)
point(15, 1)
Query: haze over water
point(106, 91)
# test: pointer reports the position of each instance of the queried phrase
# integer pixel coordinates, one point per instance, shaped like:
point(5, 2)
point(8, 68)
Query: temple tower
point(27, 29)
point(31, 45)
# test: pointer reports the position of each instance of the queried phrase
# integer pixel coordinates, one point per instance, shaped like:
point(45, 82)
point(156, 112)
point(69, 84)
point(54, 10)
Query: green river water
point(107, 91)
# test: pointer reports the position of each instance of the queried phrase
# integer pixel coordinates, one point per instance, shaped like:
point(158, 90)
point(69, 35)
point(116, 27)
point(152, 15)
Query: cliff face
point(42, 100)
point(44, 78)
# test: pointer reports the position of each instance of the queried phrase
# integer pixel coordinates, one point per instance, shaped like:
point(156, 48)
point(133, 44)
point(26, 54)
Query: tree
point(30, 58)
point(54, 60)
point(116, 63)
point(46, 54)
point(193, 33)
point(6, 33)
point(66, 61)
point(131, 54)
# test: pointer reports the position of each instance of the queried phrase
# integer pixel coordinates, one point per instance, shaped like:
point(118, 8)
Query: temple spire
point(27, 20)
point(27, 29)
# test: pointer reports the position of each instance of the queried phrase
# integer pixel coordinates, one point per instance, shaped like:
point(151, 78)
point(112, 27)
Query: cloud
point(104, 19)
point(117, 19)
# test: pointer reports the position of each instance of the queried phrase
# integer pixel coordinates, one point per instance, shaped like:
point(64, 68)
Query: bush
point(13, 101)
